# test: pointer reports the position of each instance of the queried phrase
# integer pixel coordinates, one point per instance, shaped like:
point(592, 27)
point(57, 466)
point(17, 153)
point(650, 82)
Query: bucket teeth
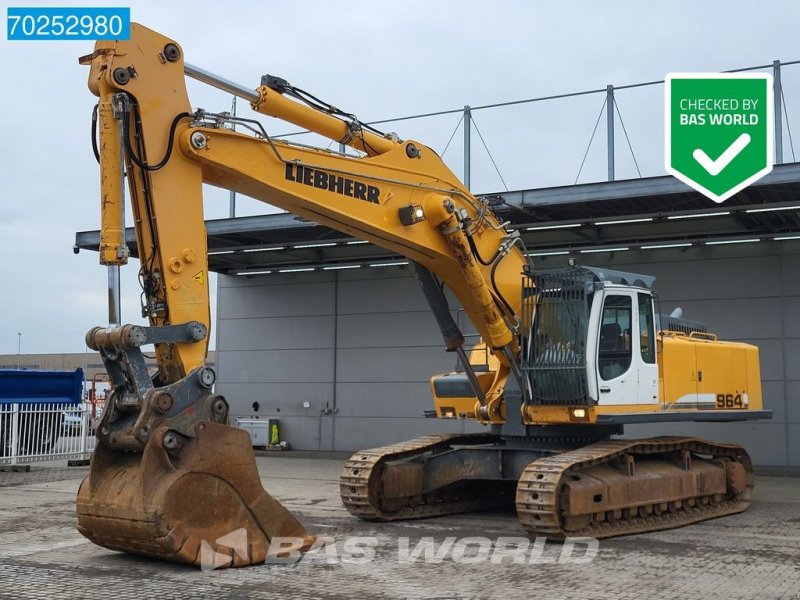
point(201, 503)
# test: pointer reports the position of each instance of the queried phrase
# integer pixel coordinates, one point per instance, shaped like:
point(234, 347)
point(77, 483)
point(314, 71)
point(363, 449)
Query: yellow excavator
point(567, 357)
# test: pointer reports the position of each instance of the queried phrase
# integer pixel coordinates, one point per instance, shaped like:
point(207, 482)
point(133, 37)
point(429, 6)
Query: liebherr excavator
point(567, 356)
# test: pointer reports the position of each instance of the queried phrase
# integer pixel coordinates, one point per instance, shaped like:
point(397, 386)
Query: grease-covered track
point(621, 487)
point(367, 494)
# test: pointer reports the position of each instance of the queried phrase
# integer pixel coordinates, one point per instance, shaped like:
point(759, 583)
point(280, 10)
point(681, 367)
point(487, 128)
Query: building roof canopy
point(646, 212)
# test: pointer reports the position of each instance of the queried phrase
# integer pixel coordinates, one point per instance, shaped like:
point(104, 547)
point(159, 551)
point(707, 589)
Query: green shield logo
point(718, 136)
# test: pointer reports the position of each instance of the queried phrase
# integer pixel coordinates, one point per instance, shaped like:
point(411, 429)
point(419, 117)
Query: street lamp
point(19, 348)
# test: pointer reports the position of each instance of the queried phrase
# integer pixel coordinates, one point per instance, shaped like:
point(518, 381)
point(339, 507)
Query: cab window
point(614, 353)
point(647, 337)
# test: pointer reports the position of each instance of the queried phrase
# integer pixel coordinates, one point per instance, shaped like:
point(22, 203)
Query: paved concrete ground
point(751, 555)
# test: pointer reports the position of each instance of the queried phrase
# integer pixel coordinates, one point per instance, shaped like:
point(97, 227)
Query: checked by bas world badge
point(718, 136)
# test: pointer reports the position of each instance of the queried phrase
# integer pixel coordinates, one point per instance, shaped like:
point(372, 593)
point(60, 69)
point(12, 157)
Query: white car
point(72, 420)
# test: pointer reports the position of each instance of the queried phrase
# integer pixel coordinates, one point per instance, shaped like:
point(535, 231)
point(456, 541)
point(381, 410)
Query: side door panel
point(616, 379)
point(626, 367)
point(647, 378)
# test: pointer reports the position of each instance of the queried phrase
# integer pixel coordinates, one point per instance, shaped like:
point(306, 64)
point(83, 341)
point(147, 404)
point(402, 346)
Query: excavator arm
point(169, 476)
point(399, 196)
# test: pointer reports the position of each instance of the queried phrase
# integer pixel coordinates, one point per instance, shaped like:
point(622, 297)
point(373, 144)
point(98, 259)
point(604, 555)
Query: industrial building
point(333, 337)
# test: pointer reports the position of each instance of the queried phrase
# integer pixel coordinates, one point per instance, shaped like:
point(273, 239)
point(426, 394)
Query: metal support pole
point(19, 349)
point(14, 433)
point(85, 416)
point(467, 144)
point(610, 129)
point(777, 99)
point(232, 204)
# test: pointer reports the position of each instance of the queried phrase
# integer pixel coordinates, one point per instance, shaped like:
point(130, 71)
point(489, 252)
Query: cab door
point(614, 350)
point(647, 377)
point(627, 372)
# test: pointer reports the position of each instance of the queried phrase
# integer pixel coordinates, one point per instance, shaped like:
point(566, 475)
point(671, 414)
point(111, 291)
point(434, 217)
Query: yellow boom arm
point(400, 196)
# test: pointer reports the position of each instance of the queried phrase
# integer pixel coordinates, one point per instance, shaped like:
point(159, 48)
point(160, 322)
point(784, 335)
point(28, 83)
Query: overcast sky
point(378, 60)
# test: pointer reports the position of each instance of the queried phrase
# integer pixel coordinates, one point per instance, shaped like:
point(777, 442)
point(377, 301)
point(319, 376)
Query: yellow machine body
point(698, 371)
point(695, 372)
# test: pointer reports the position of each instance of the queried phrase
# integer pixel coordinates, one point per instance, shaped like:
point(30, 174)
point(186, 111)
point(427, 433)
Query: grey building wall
point(342, 358)
point(362, 344)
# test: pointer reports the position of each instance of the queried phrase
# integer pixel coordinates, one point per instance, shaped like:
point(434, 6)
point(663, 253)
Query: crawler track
point(362, 489)
point(543, 503)
point(604, 489)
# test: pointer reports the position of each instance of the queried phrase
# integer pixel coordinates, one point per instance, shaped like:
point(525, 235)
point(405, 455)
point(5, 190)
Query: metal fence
point(41, 432)
point(575, 137)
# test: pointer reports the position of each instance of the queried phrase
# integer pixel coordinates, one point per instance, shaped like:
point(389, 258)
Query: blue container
point(28, 386)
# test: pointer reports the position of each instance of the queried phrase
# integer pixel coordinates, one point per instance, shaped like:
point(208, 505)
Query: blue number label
point(62, 23)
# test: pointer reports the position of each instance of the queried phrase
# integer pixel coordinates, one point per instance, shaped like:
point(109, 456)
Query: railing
point(555, 139)
point(41, 432)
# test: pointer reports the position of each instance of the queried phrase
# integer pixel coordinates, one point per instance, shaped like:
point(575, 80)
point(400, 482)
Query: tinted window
point(614, 352)
point(647, 337)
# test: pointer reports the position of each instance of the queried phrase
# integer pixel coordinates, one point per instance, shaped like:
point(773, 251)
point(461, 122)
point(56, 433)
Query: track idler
point(195, 500)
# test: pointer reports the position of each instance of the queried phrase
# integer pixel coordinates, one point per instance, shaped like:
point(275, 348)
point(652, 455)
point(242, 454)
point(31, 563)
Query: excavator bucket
point(200, 503)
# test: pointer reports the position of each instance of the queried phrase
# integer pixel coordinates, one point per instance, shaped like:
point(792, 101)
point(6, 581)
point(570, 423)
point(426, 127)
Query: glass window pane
point(614, 352)
point(647, 337)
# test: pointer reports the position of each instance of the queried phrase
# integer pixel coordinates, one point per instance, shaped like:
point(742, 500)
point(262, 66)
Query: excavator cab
point(593, 344)
point(593, 339)
point(588, 339)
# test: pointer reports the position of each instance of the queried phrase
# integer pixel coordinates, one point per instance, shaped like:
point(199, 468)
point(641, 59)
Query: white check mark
point(715, 167)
